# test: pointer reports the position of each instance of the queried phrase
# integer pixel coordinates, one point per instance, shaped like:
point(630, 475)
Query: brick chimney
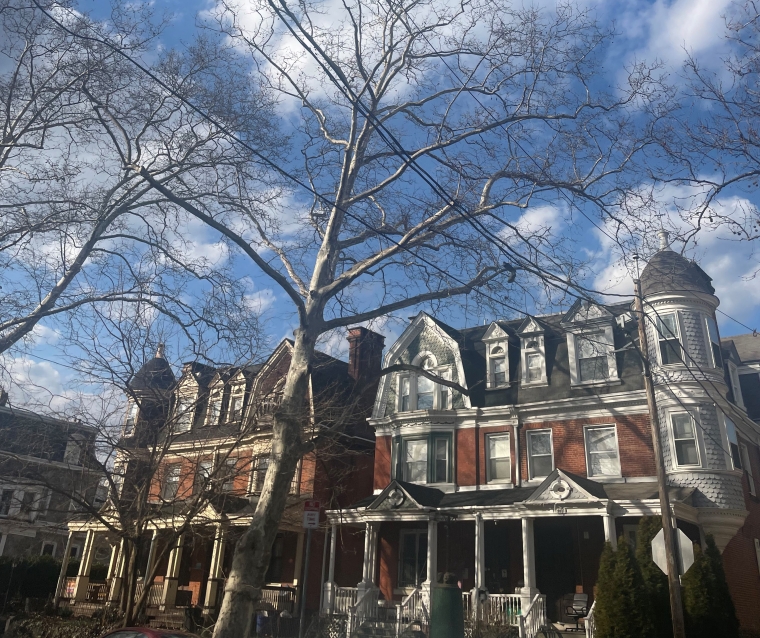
point(365, 351)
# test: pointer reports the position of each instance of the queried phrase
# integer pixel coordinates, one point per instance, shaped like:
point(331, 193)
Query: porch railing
point(410, 611)
point(97, 592)
point(533, 618)
point(495, 609)
point(69, 587)
point(590, 622)
point(364, 609)
point(281, 598)
point(345, 599)
point(155, 595)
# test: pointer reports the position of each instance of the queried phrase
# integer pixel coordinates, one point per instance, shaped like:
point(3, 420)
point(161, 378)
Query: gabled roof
point(583, 311)
point(563, 486)
point(400, 495)
point(531, 325)
point(748, 346)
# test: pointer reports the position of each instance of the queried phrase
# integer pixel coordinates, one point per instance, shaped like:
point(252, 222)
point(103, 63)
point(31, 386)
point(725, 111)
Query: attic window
point(418, 392)
point(498, 367)
point(533, 361)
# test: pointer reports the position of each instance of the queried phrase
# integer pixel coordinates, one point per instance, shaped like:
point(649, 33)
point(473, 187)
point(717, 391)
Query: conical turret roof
point(156, 374)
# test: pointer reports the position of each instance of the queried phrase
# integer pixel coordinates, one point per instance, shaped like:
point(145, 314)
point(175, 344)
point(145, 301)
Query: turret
point(688, 374)
point(149, 398)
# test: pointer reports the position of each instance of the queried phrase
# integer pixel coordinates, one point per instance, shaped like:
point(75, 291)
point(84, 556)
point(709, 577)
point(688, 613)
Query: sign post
point(310, 523)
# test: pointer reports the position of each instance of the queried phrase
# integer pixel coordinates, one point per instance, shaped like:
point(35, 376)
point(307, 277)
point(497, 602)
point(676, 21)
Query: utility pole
point(674, 583)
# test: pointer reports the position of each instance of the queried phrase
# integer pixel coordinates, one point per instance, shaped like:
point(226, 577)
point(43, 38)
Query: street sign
point(685, 551)
point(311, 514)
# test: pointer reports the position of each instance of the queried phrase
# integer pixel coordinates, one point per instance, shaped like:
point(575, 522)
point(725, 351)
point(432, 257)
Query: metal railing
point(590, 623)
point(534, 617)
point(345, 599)
point(410, 611)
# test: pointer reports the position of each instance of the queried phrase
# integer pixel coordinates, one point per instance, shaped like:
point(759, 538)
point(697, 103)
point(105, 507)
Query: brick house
point(45, 477)
point(213, 427)
point(512, 481)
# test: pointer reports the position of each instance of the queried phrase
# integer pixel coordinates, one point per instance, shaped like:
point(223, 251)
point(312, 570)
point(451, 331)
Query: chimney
point(663, 235)
point(365, 351)
point(160, 351)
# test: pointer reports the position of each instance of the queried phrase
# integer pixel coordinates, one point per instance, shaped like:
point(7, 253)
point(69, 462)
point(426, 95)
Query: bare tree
point(714, 140)
point(76, 226)
point(426, 131)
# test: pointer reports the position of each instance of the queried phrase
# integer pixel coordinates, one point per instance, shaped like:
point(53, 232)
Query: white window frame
point(736, 388)
point(489, 437)
point(202, 475)
point(747, 465)
point(734, 452)
point(601, 426)
point(668, 337)
point(439, 390)
point(165, 482)
point(426, 441)
point(539, 349)
point(671, 435)
point(605, 337)
point(75, 447)
point(257, 475)
point(183, 421)
point(237, 393)
point(215, 398)
point(493, 358)
point(529, 449)
point(228, 480)
point(709, 321)
point(42, 549)
point(130, 421)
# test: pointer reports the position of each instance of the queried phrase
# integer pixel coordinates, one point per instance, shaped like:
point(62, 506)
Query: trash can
point(447, 620)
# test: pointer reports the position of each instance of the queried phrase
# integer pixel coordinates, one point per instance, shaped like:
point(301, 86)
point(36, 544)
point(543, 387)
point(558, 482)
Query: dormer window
point(591, 350)
point(498, 356)
point(235, 412)
point(591, 344)
point(533, 361)
point(496, 341)
point(419, 392)
point(184, 414)
point(129, 425)
point(214, 409)
point(669, 336)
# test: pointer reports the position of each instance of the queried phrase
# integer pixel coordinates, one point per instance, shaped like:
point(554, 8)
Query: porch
point(516, 564)
point(191, 572)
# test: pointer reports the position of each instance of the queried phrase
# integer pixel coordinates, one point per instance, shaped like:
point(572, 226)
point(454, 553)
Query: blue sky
point(646, 31)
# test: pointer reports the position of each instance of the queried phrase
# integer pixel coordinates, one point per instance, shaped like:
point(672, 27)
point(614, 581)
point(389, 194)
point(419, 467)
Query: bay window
point(685, 439)
point(424, 459)
point(714, 337)
point(748, 468)
point(671, 350)
point(733, 443)
point(419, 392)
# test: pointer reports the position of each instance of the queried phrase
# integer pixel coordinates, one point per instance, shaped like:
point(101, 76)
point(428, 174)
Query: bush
point(621, 597)
point(33, 577)
point(40, 626)
point(707, 602)
point(655, 582)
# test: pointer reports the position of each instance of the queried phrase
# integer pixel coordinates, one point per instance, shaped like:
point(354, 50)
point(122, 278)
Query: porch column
point(171, 581)
point(118, 575)
point(480, 565)
point(529, 562)
point(432, 564)
point(215, 579)
point(151, 553)
point(329, 587)
point(83, 577)
point(59, 590)
point(373, 552)
point(609, 530)
point(367, 573)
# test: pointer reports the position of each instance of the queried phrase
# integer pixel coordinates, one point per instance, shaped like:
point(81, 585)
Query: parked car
point(145, 632)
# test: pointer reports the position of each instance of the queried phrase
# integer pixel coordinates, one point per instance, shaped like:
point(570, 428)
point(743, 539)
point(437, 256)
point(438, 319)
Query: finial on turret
point(160, 351)
point(664, 243)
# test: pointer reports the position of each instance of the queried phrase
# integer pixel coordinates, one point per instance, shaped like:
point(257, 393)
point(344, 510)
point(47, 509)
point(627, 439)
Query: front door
point(555, 562)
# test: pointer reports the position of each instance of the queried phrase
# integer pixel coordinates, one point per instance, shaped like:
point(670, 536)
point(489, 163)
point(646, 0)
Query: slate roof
point(473, 353)
point(748, 346)
point(669, 271)
point(156, 374)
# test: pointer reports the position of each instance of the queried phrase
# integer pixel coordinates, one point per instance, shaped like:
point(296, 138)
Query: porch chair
point(577, 609)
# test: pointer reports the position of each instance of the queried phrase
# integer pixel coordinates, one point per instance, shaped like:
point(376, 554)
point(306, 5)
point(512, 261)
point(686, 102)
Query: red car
point(145, 632)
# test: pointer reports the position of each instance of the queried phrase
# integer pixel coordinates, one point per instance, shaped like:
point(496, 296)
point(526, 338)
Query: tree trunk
point(251, 559)
point(131, 586)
